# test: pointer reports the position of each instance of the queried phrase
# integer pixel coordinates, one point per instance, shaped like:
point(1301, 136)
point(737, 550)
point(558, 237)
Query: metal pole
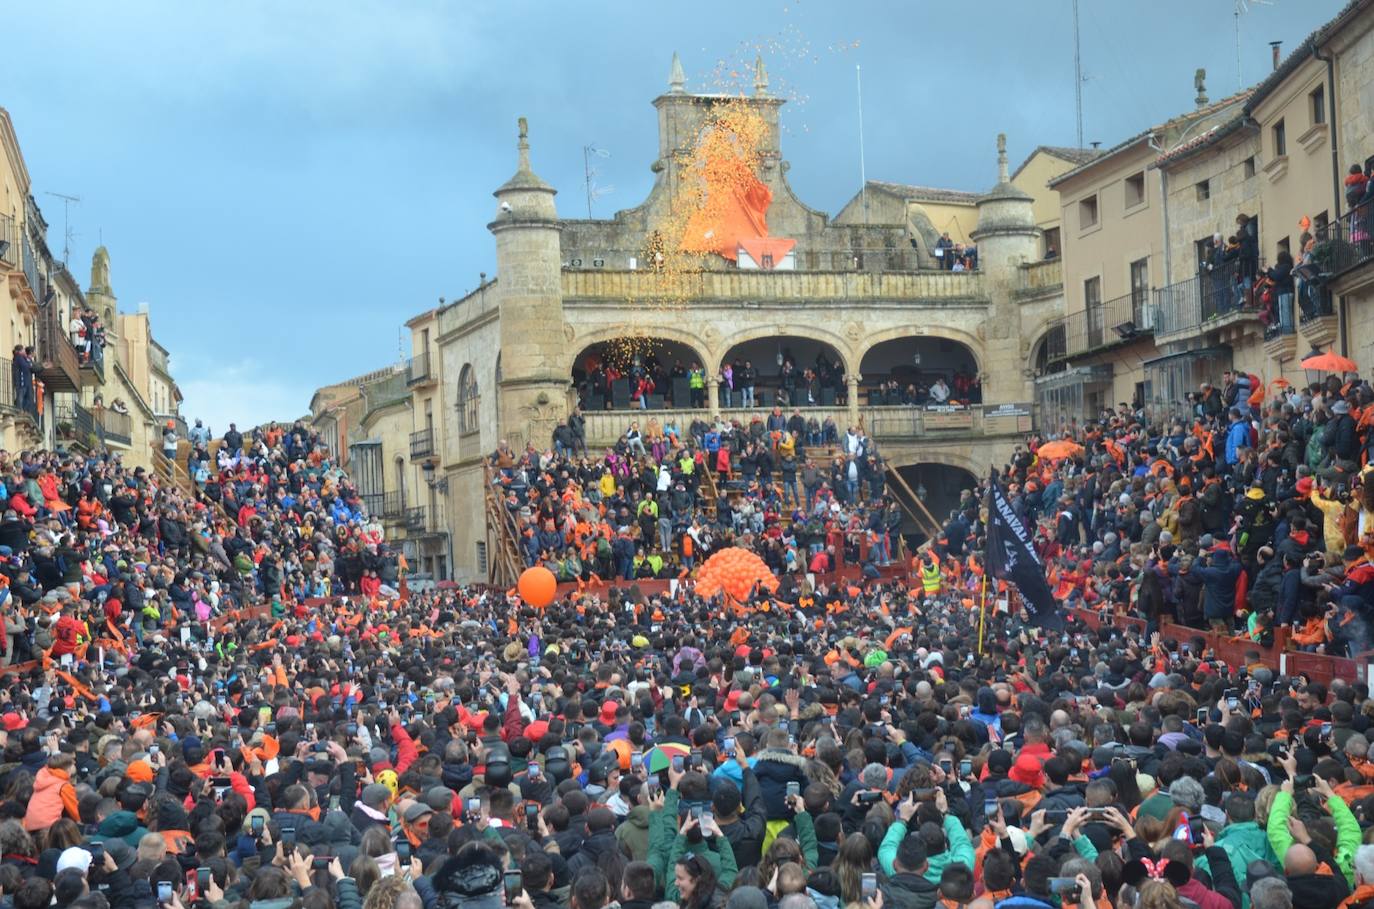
point(587, 176)
point(1077, 76)
point(1240, 80)
point(863, 178)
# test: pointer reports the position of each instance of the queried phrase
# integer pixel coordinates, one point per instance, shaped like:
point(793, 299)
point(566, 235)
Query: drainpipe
point(1330, 62)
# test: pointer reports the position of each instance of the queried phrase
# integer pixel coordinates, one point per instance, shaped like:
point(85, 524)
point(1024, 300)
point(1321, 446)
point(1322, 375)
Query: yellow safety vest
point(930, 578)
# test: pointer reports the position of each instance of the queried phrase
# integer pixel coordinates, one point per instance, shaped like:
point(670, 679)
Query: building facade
point(506, 363)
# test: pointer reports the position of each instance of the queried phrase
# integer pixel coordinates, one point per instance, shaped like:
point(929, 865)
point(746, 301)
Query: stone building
point(1278, 153)
point(501, 362)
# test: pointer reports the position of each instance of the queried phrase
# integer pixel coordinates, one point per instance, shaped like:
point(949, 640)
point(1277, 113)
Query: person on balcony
point(1247, 234)
point(939, 392)
point(747, 375)
point(1281, 273)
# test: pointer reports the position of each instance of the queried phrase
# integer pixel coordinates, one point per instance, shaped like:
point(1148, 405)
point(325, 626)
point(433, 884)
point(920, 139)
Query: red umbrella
point(1330, 362)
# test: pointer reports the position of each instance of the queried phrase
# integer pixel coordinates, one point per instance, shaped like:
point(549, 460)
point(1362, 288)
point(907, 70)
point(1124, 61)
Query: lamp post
point(1313, 376)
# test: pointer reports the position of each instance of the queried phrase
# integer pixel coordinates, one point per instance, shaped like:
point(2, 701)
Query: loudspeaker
point(827, 396)
point(620, 393)
point(682, 392)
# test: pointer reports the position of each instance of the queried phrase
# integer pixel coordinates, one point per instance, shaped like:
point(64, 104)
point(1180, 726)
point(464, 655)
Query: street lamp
point(440, 485)
point(1313, 376)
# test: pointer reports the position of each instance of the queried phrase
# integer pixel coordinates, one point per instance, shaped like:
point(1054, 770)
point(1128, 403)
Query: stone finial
point(1002, 176)
point(1200, 83)
point(677, 80)
point(524, 144)
point(760, 78)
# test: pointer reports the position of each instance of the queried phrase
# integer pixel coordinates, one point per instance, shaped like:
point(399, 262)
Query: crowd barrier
point(658, 586)
point(1317, 667)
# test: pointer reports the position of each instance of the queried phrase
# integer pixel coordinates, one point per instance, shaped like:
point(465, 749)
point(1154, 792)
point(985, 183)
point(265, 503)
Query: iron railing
point(1347, 243)
point(1106, 323)
point(422, 443)
point(115, 426)
point(9, 240)
point(417, 370)
point(415, 518)
point(79, 422)
point(385, 505)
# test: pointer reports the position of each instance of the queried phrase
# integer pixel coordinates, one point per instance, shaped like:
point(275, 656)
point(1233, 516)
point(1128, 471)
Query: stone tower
point(1007, 238)
point(529, 291)
point(100, 296)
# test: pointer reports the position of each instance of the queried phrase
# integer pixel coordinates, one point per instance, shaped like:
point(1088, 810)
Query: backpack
point(1315, 451)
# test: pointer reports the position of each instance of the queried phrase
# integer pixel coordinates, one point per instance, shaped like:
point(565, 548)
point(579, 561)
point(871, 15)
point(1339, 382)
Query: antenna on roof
point(1077, 76)
point(1243, 6)
point(863, 176)
point(67, 234)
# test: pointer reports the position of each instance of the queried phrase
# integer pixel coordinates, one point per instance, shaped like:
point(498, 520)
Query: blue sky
point(286, 182)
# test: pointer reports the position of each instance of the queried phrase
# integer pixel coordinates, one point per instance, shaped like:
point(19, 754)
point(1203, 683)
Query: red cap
point(608, 710)
point(732, 701)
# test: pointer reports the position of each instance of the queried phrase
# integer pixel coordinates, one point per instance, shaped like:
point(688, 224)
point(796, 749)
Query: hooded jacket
point(633, 833)
point(774, 770)
point(1243, 843)
point(907, 890)
point(53, 794)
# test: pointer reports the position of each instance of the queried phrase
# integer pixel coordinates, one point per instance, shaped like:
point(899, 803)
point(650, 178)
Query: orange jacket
point(53, 795)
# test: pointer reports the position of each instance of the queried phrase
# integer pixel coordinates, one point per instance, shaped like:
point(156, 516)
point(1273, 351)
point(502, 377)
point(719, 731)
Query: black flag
point(1011, 557)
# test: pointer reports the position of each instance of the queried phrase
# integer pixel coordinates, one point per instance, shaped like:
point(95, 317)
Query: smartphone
point(990, 807)
point(1053, 816)
point(636, 760)
point(474, 806)
point(203, 880)
point(288, 838)
point(403, 851)
point(1062, 885)
point(534, 772)
point(256, 824)
point(708, 817)
point(193, 885)
point(1326, 730)
point(729, 745)
point(1232, 698)
point(793, 788)
point(514, 885)
point(333, 803)
point(1202, 716)
point(164, 891)
point(532, 816)
point(965, 767)
point(694, 759)
point(679, 764)
point(153, 749)
point(869, 885)
point(695, 812)
point(350, 729)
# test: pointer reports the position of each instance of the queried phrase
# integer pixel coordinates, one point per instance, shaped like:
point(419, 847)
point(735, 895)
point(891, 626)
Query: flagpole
point(983, 608)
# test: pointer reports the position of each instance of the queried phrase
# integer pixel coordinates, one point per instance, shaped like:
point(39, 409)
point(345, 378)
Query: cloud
point(244, 392)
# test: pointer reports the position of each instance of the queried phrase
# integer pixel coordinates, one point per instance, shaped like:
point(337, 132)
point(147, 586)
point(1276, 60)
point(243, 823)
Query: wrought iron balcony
point(422, 443)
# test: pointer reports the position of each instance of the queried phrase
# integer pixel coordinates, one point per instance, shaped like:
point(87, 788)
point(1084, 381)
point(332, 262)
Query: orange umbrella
point(1330, 362)
point(1059, 448)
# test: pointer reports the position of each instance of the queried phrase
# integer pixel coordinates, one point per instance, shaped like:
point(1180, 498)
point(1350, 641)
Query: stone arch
point(939, 332)
point(841, 344)
point(940, 481)
point(585, 338)
point(893, 368)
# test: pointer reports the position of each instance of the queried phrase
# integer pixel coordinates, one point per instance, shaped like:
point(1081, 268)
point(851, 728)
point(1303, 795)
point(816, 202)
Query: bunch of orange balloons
point(734, 572)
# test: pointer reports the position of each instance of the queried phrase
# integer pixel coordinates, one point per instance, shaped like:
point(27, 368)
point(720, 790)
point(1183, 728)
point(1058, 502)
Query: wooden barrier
point(1318, 667)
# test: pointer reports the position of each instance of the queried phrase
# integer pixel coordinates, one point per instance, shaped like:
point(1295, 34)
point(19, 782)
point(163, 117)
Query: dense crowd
point(666, 497)
point(227, 697)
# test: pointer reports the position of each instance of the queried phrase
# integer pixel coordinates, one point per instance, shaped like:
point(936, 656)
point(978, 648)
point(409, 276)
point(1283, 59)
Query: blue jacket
point(1219, 583)
point(1237, 437)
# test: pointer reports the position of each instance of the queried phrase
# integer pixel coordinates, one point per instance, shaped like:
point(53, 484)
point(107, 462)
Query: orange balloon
point(537, 586)
point(734, 572)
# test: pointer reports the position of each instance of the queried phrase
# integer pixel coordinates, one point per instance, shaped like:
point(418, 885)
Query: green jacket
point(959, 848)
point(1244, 843)
point(666, 846)
point(1347, 831)
point(634, 833)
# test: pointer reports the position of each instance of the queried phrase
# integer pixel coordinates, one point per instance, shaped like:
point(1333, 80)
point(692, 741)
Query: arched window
point(467, 400)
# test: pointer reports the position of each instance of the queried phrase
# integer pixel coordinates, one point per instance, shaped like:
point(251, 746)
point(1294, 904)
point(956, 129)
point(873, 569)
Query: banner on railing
point(1001, 419)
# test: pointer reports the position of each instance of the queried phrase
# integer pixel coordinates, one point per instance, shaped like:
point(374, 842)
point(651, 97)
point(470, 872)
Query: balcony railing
point(59, 365)
point(417, 370)
point(385, 505)
point(1346, 244)
point(1190, 304)
point(422, 443)
point(75, 423)
point(415, 518)
point(9, 241)
point(1103, 325)
point(115, 426)
point(9, 395)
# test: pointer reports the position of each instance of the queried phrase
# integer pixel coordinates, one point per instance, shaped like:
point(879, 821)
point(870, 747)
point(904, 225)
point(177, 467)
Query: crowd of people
point(228, 697)
point(799, 492)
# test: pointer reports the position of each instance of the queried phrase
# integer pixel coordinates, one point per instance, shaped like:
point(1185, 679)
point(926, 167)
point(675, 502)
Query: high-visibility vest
point(930, 578)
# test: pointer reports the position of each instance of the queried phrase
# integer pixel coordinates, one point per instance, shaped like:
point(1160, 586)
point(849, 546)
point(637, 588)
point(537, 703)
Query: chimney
point(1274, 48)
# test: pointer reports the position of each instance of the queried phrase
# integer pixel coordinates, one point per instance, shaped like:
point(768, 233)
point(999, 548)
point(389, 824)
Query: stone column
point(851, 382)
point(713, 397)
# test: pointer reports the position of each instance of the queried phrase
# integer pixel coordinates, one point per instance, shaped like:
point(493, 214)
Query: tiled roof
point(924, 193)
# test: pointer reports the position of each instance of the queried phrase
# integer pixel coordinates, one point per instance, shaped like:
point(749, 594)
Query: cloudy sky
point(286, 182)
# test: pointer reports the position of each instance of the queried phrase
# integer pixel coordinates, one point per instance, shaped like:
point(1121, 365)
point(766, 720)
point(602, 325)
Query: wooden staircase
point(173, 472)
point(504, 561)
